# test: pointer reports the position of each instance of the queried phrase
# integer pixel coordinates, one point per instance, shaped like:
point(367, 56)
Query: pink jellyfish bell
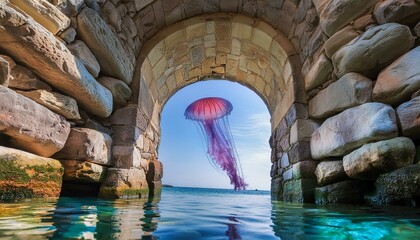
point(210, 114)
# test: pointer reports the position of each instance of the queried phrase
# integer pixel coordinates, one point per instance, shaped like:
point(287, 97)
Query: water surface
point(194, 213)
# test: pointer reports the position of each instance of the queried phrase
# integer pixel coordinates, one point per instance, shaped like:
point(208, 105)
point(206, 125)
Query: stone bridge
point(83, 83)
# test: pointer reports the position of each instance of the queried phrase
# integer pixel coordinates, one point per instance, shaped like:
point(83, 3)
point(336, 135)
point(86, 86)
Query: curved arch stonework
point(343, 113)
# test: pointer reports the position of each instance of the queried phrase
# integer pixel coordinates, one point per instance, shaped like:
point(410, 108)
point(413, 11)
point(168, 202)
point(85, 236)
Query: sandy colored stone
point(4, 72)
point(397, 82)
point(81, 51)
point(105, 45)
point(409, 117)
point(302, 130)
point(25, 175)
point(400, 11)
point(31, 126)
point(338, 13)
point(124, 183)
point(339, 39)
point(342, 133)
point(48, 58)
point(319, 73)
point(126, 157)
point(44, 13)
point(373, 50)
point(83, 171)
point(88, 145)
point(373, 159)
point(121, 93)
point(328, 172)
point(349, 91)
point(24, 79)
point(58, 103)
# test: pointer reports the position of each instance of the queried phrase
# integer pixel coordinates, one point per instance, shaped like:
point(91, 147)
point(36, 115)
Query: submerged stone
point(350, 191)
point(124, 183)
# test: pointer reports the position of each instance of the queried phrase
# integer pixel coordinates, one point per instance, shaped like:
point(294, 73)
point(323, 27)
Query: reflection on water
point(187, 213)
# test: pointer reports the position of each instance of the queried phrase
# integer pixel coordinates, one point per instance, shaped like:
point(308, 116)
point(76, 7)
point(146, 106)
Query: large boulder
point(339, 39)
point(338, 13)
point(352, 128)
point(32, 127)
point(350, 191)
point(373, 159)
point(401, 187)
point(350, 90)
point(400, 11)
point(328, 172)
point(105, 45)
point(373, 50)
point(409, 116)
point(399, 80)
point(124, 183)
point(25, 175)
point(24, 39)
point(56, 102)
point(83, 171)
point(88, 145)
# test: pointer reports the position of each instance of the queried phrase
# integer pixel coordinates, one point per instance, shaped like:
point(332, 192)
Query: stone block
point(31, 127)
point(52, 61)
point(299, 152)
point(126, 157)
point(124, 183)
point(68, 35)
point(406, 12)
point(83, 171)
point(300, 190)
point(304, 169)
point(44, 13)
point(338, 13)
point(397, 82)
point(400, 187)
point(373, 50)
point(4, 72)
point(373, 159)
point(126, 135)
point(121, 93)
point(296, 111)
point(105, 45)
point(302, 130)
point(352, 128)
point(88, 145)
point(82, 52)
point(328, 172)
point(277, 189)
point(129, 116)
point(284, 161)
point(349, 91)
point(25, 175)
point(349, 191)
point(58, 103)
point(24, 79)
point(319, 73)
point(408, 115)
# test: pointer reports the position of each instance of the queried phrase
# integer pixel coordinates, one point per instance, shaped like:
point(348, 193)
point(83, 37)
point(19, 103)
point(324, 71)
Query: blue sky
point(183, 153)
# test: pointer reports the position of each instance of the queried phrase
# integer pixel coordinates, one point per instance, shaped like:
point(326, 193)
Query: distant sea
point(202, 213)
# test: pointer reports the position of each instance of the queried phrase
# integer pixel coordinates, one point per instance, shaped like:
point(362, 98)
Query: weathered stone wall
point(86, 80)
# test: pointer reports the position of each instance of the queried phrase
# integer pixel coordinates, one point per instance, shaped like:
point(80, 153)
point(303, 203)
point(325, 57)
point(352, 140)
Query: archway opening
point(183, 153)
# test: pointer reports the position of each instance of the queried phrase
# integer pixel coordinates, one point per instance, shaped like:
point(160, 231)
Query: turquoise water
point(193, 213)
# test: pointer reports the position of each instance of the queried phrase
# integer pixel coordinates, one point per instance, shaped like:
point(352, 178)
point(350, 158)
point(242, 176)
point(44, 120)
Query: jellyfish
point(211, 116)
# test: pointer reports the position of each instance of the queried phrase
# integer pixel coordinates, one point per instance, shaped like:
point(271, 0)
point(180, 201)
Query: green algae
point(10, 172)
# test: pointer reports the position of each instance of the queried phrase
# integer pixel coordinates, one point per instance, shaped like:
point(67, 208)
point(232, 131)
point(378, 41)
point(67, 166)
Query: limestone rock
point(352, 128)
point(399, 80)
point(339, 39)
point(69, 7)
point(302, 130)
point(83, 171)
point(401, 187)
point(126, 157)
point(409, 116)
point(58, 103)
point(88, 145)
point(4, 72)
point(304, 169)
point(68, 35)
point(124, 183)
point(373, 159)
point(349, 191)
point(349, 91)
point(400, 11)
point(31, 126)
point(83, 53)
point(25, 175)
point(24, 39)
point(44, 13)
point(319, 73)
point(105, 45)
point(121, 93)
point(328, 172)
point(374, 49)
point(299, 190)
point(339, 13)
point(24, 79)
point(155, 171)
